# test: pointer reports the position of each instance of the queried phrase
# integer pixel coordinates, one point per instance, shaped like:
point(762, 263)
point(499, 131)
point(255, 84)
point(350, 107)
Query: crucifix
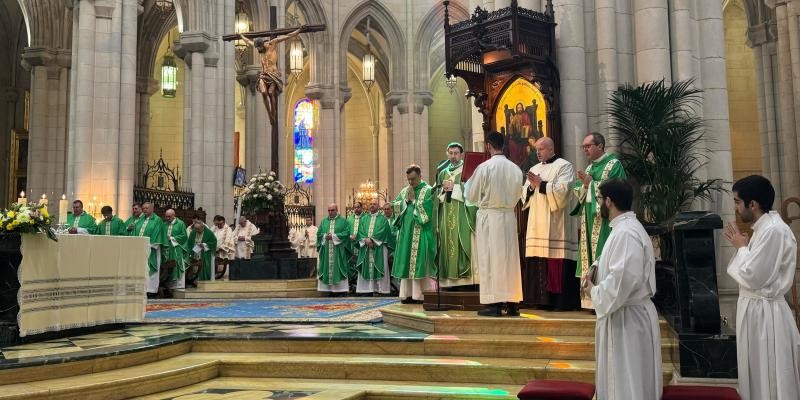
point(270, 83)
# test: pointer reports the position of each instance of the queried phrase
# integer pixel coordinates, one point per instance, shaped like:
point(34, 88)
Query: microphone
point(448, 196)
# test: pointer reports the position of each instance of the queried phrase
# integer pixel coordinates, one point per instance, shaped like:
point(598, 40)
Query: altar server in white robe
point(627, 336)
point(304, 240)
point(767, 340)
point(226, 245)
point(494, 188)
point(243, 236)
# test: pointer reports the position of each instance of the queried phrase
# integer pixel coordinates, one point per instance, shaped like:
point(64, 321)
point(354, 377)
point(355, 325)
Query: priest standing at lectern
point(79, 221)
point(494, 188)
point(594, 229)
point(415, 250)
point(548, 277)
point(152, 226)
point(333, 243)
point(455, 260)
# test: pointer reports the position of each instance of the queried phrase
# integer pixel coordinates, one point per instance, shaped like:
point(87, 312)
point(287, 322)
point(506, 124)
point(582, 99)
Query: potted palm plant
point(661, 146)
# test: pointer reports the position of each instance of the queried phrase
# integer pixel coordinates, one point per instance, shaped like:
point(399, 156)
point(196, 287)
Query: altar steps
point(192, 368)
point(252, 289)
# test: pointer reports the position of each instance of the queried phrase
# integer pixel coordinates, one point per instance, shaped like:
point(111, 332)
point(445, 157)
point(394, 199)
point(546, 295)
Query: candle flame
point(44, 196)
point(63, 197)
point(22, 194)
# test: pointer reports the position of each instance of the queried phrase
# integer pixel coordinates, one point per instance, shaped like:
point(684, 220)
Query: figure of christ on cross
point(270, 82)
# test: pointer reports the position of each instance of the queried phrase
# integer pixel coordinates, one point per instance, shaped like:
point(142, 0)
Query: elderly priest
point(202, 244)
point(373, 257)
point(152, 226)
point(176, 250)
point(333, 244)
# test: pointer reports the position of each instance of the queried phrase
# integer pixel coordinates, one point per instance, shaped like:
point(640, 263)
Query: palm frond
point(661, 146)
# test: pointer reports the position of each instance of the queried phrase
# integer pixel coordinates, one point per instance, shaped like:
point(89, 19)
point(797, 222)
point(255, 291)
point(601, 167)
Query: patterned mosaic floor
point(346, 309)
point(139, 337)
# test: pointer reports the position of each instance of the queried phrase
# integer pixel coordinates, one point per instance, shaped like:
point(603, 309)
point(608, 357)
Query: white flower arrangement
point(26, 218)
point(263, 191)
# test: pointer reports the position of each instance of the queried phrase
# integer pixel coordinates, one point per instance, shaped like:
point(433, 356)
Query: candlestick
point(43, 201)
point(63, 205)
point(21, 200)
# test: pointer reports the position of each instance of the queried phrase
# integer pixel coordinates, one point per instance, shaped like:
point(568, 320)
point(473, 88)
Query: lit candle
point(43, 200)
point(21, 200)
point(63, 205)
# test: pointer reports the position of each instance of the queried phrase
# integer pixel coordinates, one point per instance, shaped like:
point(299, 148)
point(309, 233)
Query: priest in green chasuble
point(132, 224)
point(354, 221)
point(594, 229)
point(389, 214)
point(416, 245)
point(176, 250)
point(152, 226)
point(455, 224)
point(110, 225)
point(373, 257)
point(79, 221)
point(333, 245)
point(202, 244)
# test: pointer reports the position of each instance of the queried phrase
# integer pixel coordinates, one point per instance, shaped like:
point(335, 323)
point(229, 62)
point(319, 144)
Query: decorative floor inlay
point(347, 309)
point(141, 337)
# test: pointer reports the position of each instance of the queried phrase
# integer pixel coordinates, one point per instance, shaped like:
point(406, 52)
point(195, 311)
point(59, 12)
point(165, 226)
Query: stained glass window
point(304, 141)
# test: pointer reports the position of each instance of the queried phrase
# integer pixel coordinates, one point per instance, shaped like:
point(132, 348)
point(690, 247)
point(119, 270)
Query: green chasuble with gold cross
point(114, 227)
point(202, 247)
point(84, 221)
point(370, 261)
point(153, 228)
point(594, 230)
point(456, 224)
point(177, 249)
point(333, 259)
point(415, 249)
point(133, 224)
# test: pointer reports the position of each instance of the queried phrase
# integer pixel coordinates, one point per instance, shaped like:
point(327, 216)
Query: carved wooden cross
point(270, 83)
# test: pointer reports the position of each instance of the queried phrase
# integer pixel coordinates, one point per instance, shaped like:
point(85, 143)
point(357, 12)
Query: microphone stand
point(439, 306)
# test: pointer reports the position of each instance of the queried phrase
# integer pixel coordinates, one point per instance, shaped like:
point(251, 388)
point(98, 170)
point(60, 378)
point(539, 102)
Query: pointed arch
point(383, 21)
point(430, 36)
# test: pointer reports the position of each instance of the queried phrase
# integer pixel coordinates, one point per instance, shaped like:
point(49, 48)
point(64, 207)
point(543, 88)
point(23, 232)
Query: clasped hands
point(735, 237)
point(447, 186)
point(534, 179)
point(585, 178)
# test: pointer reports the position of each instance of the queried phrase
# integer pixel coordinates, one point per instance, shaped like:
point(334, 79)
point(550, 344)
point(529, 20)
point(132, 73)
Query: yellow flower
point(44, 212)
point(11, 214)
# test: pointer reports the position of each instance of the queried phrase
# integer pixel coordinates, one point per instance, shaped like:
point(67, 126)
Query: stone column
point(717, 131)
point(682, 40)
point(652, 40)
point(625, 46)
point(570, 47)
point(47, 120)
point(535, 5)
point(145, 88)
point(422, 101)
point(402, 148)
point(102, 102)
point(605, 15)
point(790, 172)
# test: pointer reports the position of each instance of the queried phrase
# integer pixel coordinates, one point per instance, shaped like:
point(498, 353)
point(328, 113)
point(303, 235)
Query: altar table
point(81, 281)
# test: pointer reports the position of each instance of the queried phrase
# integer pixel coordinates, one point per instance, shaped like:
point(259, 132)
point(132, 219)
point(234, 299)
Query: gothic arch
point(198, 15)
point(152, 29)
point(387, 25)
point(430, 35)
point(320, 59)
point(49, 23)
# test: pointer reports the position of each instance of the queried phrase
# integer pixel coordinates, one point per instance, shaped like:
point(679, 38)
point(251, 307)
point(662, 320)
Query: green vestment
point(204, 253)
point(415, 249)
point(84, 221)
point(456, 224)
point(115, 227)
point(370, 261)
point(176, 248)
point(133, 224)
point(594, 230)
point(332, 261)
point(153, 228)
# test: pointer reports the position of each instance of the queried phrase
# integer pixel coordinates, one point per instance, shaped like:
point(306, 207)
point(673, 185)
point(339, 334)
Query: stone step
point(469, 345)
point(469, 301)
point(331, 389)
point(211, 295)
point(257, 285)
point(531, 322)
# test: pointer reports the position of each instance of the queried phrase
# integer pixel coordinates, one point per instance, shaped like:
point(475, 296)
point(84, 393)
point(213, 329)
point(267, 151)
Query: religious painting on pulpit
point(303, 129)
point(520, 115)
